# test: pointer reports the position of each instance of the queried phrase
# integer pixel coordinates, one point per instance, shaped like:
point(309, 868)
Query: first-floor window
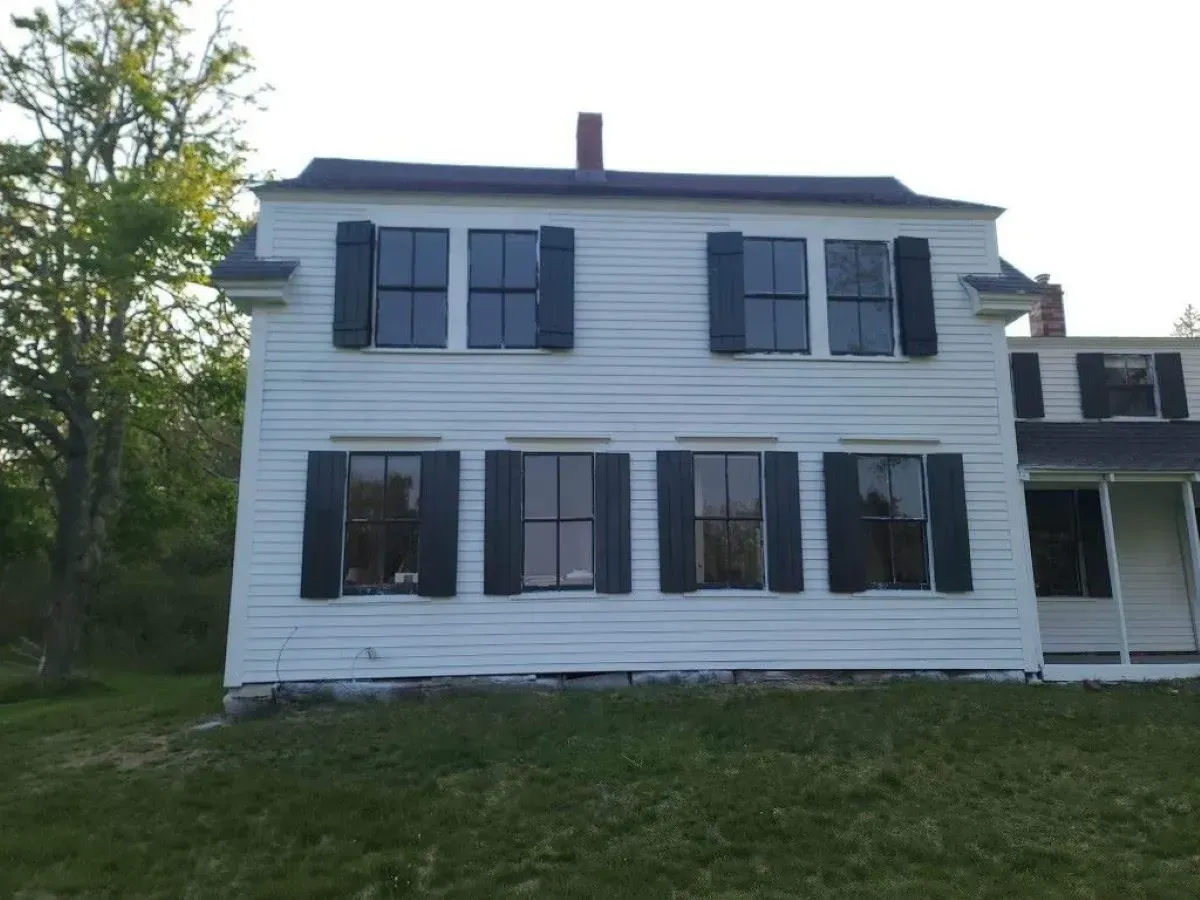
point(382, 523)
point(1056, 541)
point(558, 519)
point(729, 545)
point(892, 491)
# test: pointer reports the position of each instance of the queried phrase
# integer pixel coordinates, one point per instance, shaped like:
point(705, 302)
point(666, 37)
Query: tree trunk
point(70, 561)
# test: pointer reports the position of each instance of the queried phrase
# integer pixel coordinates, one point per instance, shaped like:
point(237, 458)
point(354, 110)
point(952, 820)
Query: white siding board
point(642, 375)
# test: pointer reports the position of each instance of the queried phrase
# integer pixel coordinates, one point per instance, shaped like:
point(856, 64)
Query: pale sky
point(1079, 118)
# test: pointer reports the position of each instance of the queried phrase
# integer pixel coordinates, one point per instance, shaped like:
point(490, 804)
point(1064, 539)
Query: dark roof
point(243, 264)
point(1110, 446)
point(366, 175)
point(1011, 280)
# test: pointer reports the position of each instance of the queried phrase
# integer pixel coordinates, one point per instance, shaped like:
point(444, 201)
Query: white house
point(515, 421)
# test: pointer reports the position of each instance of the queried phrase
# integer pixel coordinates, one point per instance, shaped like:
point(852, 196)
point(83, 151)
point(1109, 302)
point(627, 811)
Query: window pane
point(487, 260)
point(745, 496)
point(575, 487)
point(745, 554)
point(908, 498)
point(760, 324)
point(395, 257)
point(1126, 368)
point(791, 268)
point(394, 324)
point(365, 496)
point(575, 554)
point(1131, 401)
point(364, 552)
point(876, 319)
point(520, 260)
point(540, 552)
point(908, 554)
point(485, 320)
point(710, 484)
point(791, 324)
point(1050, 513)
point(873, 485)
point(429, 318)
point(541, 487)
point(879, 553)
point(841, 269)
point(403, 486)
point(874, 271)
point(756, 256)
point(520, 320)
point(430, 253)
point(712, 551)
point(1056, 567)
point(1114, 369)
point(843, 326)
point(400, 560)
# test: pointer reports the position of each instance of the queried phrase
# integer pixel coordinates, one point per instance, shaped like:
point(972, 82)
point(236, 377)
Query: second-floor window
point(502, 305)
point(1130, 381)
point(859, 278)
point(411, 287)
point(776, 283)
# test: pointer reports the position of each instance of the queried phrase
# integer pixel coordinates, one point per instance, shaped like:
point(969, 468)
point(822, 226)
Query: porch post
point(1110, 547)
point(1193, 533)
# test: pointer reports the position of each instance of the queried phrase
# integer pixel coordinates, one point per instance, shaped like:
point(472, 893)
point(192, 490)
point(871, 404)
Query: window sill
point(1068, 599)
point(383, 599)
point(796, 357)
point(903, 593)
point(460, 351)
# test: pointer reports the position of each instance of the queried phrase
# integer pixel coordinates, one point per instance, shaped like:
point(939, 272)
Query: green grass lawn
point(919, 790)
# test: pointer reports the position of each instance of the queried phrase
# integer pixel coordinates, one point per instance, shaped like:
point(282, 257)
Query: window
point(411, 293)
point(382, 521)
point(502, 307)
point(729, 546)
point(776, 276)
point(1130, 385)
point(1057, 543)
point(892, 491)
point(859, 278)
point(558, 520)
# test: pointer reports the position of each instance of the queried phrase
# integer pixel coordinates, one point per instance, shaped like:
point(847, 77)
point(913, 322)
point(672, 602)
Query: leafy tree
point(116, 191)
point(1188, 325)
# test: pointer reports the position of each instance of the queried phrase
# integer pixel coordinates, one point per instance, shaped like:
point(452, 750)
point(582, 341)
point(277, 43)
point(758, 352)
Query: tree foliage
point(117, 190)
point(1188, 324)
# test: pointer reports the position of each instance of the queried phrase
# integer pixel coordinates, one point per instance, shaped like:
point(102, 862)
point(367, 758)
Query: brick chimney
point(1048, 318)
point(589, 147)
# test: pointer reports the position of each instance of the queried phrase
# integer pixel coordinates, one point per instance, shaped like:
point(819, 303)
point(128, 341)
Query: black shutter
point(1093, 390)
point(676, 522)
point(324, 518)
point(726, 293)
point(556, 288)
point(614, 555)
point(785, 565)
point(914, 294)
point(1027, 385)
point(950, 534)
point(1172, 394)
point(1091, 535)
point(845, 538)
point(438, 563)
point(353, 284)
point(503, 534)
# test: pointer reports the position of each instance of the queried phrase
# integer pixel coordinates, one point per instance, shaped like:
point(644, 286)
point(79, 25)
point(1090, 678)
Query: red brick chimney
point(1048, 318)
point(589, 147)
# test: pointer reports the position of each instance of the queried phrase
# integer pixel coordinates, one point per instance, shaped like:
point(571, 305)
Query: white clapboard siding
point(1154, 591)
point(1060, 378)
point(641, 375)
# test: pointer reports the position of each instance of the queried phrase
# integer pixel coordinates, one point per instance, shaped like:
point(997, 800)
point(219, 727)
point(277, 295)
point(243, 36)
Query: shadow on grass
point(33, 688)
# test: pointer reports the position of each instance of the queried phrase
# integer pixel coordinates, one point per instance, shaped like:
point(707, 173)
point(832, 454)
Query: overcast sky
point(1083, 125)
